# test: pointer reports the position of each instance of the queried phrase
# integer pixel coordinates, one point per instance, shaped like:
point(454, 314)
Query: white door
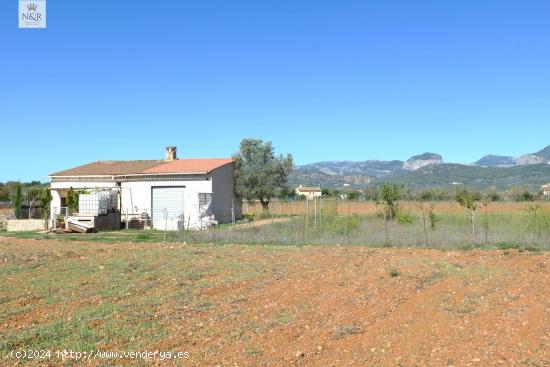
point(167, 207)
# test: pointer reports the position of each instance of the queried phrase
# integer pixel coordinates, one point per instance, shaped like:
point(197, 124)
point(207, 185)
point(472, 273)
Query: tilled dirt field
point(276, 306)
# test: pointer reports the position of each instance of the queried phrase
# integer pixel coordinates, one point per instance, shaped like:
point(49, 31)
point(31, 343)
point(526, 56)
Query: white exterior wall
point(223, 194)
point(136, 197)
point(65, 185)
point(310, 195)
point(136, 194)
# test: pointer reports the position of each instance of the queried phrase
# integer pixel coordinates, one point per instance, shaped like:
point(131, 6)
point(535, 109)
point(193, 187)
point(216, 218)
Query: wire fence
point(342, 222)
point(365, 207)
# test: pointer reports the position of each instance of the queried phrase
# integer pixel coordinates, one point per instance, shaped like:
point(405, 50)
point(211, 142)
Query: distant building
point(309, 192)
point(546, 189)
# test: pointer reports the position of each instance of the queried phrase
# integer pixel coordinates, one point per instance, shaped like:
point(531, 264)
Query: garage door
point(167, 207)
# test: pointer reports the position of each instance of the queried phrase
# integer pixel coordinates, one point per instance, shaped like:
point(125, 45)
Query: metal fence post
point(232, 212)
point(315, 211)
point(321, 209)
point(165, 223)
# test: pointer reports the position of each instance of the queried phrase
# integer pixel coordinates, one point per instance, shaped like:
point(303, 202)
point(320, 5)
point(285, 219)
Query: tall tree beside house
point(259, 174)
point(45, 199)
point(17, 199)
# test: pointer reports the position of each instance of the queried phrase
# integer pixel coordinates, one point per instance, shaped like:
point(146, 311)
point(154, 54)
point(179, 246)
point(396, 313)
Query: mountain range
point(429, 169)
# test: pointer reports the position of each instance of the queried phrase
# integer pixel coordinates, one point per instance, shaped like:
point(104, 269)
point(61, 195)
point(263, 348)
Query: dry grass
point(345, 207)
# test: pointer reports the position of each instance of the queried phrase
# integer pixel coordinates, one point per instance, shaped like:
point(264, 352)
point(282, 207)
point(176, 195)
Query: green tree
point(72, 199)
point(353, 196)
point(45, 198)
point(371, 193)
point(427, 195)
point(286, 193)
point(4, 193)
point(17, 199)
point(469, 200)
point(527, 196)
point(259, 174)
point(390, 194)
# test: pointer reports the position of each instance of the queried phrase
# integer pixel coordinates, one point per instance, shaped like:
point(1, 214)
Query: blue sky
point(324, 80)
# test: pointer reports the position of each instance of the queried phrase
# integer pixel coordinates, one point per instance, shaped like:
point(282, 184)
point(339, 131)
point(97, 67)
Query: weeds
point(441, 231)
point(344, 330)
point(405, 218)
point(394, 273)
point(507, 246)
point(433, 218)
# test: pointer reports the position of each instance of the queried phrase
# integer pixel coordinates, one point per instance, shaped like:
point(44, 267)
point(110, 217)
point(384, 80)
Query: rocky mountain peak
point(422, 160)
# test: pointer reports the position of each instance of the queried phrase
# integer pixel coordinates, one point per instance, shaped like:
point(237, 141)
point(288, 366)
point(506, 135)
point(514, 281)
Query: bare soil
point(303, 306)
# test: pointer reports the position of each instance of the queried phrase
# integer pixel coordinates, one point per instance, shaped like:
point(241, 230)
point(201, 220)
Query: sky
point(322, 80)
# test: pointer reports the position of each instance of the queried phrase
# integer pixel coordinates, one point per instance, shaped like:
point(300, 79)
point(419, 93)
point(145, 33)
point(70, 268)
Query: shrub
point(405, 218)
point(342, 225)
point(264, 215)
point(354, 222)
point(142, 237)
point(433, 218)
point(390, 194)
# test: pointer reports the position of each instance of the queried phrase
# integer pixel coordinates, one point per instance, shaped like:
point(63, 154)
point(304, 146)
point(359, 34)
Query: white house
point(546, 190)
point(169, 194)
point(309, 192)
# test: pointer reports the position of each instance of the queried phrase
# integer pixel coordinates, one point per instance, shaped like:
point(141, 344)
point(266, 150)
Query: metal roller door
point(167, 204)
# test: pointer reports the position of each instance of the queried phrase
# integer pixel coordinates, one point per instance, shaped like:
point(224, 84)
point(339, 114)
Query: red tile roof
point(108, 168)
point(115, 168)
point(308, 189)
point(198, 165)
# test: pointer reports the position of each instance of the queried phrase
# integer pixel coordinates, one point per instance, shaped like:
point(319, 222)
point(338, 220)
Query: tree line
point(516, 193)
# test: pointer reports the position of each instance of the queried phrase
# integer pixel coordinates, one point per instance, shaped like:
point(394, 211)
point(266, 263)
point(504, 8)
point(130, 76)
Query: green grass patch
point(507, 246)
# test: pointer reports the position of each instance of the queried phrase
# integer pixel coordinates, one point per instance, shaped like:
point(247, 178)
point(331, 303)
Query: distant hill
point(542, 156)
point(309, 178)
point(496, 161)
point(480, 177)
point(428, 169)
point(372, 168)
point(544, 153)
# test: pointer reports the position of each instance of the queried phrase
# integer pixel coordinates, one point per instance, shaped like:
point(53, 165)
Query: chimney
point(170, 154)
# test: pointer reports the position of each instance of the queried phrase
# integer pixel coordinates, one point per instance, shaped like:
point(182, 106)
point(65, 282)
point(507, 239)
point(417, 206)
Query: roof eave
point(163, 174)
point(79, 176)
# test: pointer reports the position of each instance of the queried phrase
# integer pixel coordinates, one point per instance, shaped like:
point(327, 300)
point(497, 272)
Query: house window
point(204, 198)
